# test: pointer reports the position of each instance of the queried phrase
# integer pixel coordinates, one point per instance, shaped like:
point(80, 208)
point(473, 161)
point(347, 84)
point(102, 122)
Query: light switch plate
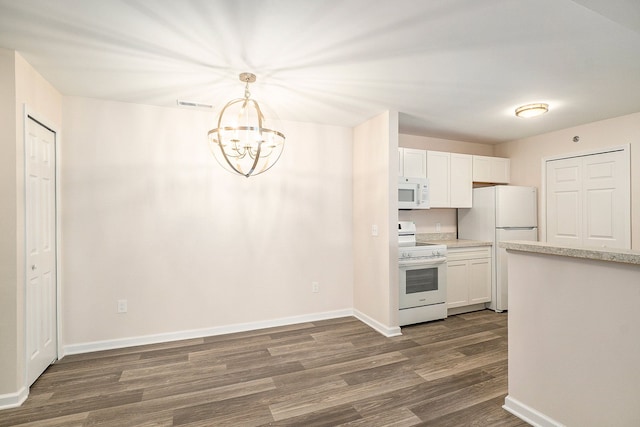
point(122, 306)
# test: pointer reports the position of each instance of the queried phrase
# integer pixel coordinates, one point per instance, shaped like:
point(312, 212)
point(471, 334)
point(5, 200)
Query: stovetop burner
point(409, 248)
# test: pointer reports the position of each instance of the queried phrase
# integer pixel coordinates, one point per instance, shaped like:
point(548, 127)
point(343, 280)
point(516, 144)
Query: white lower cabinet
point(468, 277)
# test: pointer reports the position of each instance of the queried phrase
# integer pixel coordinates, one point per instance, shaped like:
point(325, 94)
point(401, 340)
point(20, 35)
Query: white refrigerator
point(499, 213)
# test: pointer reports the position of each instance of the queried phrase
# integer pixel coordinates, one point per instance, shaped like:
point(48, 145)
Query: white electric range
point(422, 278)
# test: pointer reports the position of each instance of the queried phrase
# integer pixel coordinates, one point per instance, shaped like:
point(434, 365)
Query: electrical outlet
point(122, 306)
point(315, 287)
point(374, 230)
point(438, 227)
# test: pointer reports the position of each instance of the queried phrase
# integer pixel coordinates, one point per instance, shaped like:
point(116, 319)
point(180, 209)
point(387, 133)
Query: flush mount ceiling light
point(242, 143)
point(532, 110)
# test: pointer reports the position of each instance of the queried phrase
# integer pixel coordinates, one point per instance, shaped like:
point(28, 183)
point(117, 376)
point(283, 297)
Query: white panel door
point(564, 201)
point(588, 200)
point(41, 331)
point(606, 189)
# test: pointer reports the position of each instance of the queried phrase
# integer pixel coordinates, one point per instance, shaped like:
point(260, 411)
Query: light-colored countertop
point(449, 239)
point(460, 243)
point(601, 254)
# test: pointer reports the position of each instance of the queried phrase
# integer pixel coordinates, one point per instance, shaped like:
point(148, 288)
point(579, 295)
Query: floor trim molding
point(199, 333)
point(383, 329)
point(13, 400)
point(528, 414)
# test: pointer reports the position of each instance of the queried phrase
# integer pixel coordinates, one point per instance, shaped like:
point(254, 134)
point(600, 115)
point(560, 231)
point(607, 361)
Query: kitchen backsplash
point(427, 220)
point(431, 237)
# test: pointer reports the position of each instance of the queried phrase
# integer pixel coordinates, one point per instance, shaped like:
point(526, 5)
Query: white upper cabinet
point(495, 170)
point(501, 170)
point(438, 173)
point(450, 184)
point(413, 163)
point(450, 175)
point(461, 180)
point(481, 169)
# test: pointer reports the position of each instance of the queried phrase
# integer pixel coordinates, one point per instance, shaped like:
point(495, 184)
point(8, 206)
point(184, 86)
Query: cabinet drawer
point(456, 254)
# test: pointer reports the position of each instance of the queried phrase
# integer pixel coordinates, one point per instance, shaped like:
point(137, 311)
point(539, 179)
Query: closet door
point(588, 200)
point(40, 209)
point(564, 201)
point(606, 204)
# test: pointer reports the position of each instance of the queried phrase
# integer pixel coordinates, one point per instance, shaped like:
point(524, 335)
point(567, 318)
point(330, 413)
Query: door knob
point(33, 267)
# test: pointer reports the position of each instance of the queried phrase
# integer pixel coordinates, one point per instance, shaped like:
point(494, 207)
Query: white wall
point(448, 145)
point(375, 159)
point(426, 220)
point(149, 216)
point(20, 85)
point(573, 341)
point(8, 229)
point(526, 155)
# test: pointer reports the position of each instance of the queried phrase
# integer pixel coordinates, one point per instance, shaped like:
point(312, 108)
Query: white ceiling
point(453, 68)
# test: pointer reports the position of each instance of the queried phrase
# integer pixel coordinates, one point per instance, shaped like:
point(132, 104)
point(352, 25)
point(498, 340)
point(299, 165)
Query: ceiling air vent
point(193, 104)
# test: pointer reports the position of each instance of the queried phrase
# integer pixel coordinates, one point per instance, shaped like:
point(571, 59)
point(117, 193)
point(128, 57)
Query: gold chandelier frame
point(246, 149)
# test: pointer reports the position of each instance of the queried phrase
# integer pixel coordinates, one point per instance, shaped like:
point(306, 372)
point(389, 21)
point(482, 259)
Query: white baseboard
point(13, 400)
point(528, 414)
point(383, 329)
point(199, 333)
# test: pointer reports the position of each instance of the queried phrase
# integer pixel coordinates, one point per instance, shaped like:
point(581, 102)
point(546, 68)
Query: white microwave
point(413, 193)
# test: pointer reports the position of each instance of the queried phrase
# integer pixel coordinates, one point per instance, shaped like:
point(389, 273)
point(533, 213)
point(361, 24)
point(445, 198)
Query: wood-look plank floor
point(335, 372)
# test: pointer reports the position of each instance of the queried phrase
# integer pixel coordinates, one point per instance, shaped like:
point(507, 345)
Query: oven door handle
point(423, 261)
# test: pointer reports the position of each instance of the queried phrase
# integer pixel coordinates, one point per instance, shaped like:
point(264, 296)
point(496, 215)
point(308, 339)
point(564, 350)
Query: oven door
point(422, 282)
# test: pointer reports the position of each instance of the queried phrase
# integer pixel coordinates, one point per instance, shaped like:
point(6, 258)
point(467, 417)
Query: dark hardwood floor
point(335, 372)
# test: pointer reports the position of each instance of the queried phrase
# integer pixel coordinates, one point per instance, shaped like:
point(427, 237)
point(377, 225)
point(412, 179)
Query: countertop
point(449, 239)
point(460, 243)
point(623, 256)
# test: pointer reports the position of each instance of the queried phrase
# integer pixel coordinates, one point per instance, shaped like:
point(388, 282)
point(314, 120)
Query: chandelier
point(242, 143)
